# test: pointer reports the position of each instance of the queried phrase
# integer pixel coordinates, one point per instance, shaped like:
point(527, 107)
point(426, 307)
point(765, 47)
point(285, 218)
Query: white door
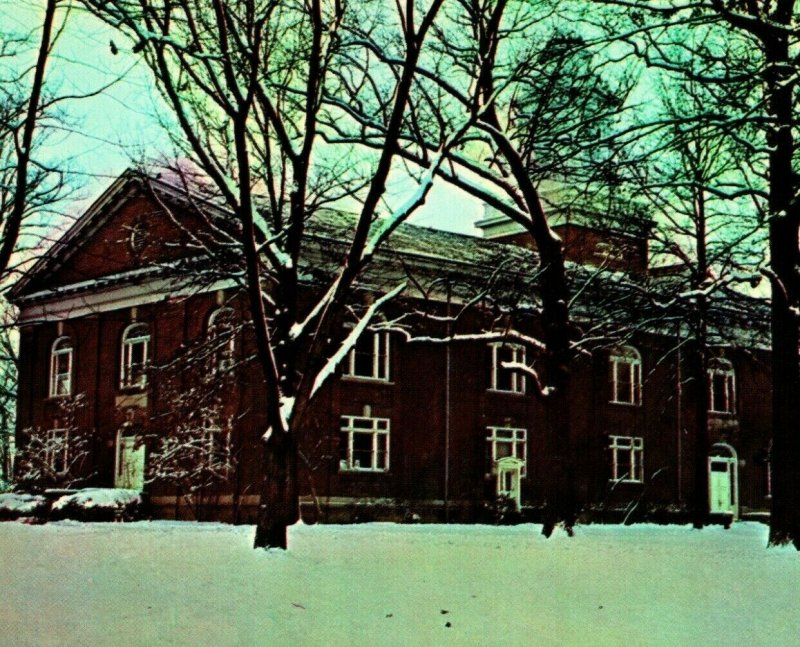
point(129, 471)
point(509, 479)
point(721, 485)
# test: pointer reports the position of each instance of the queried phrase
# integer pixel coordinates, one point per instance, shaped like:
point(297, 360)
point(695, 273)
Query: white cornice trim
point(117, 298)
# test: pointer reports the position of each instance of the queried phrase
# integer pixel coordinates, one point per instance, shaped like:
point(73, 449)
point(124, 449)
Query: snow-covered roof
point(425, 257)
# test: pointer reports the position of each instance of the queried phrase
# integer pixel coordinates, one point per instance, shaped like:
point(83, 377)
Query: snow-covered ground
point(168, 583)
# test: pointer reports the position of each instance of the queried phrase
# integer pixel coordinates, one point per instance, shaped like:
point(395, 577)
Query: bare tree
point(8, 397)
point(743, 52)
point(55, 458)
point(245, 83)
point(706, 237)
point(537, 114)
point(26, 183)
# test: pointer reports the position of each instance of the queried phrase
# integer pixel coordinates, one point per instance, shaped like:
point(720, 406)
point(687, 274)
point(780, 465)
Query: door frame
point(723, 453)
point(125, 434)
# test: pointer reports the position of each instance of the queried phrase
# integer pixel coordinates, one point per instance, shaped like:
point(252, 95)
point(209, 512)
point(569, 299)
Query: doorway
point(723, 480)
point(129, 468)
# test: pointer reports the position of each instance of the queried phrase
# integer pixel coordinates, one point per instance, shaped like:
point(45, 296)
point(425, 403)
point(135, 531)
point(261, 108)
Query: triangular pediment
point(132, 226)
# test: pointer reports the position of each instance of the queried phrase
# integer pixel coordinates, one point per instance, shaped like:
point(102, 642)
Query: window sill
point(366, 380)
point(722, 414)
point(502, 392)
point(362, 471)
point(132, 388)
point(626, 482)
point(632, 405)
point(60, 396)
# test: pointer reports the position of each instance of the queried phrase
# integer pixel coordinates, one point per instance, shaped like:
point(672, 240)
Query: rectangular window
point(722, 395)
point(61, 367)
point(508, 441)
point(626, 380)
point(215, 448)
point(56, 450)
point(364, 444)
point(369, 358)
point(503, 378)
point(627, 459)
point(10, 454)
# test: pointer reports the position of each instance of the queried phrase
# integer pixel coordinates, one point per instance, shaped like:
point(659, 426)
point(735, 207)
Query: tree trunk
point(278, 506)
point(785, 517)
point(784, 263)
point(700, 500)
point(700, 503)
point(559, 481)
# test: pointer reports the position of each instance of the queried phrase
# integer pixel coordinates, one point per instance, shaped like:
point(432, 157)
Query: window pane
point(382, 451)
point(344, 439)
point(362, 364)
point(503, 450)
point(504, 380)
point(624, 381)
point(719, 390)
point(362, 450)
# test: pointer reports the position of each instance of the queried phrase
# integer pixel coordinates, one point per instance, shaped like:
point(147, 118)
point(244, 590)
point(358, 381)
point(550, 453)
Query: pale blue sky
point(120, 125)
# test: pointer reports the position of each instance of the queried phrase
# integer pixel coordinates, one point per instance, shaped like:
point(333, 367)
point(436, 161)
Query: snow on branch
point(352, 338)
point(299, 328)
point(505, 335)
point(541, 390)
point(387, 225)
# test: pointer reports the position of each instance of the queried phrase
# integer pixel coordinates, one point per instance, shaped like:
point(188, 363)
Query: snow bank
point(98, 504)
point(13, 505)
point(173, 583)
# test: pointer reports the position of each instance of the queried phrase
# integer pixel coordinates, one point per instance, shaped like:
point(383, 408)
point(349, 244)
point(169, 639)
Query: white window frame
point(129, 340)
point(375, 427)
point(11, 453)
point(724, 369)
point(52, 451)
point(518, 439)
point(222, 353)
point(380, 363)
point(518, 356)
point(634, 446)
point(61, 382)
point(626, 358)
point(216, 442)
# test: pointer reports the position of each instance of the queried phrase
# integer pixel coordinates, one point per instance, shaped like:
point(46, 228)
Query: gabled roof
point(127, 185)
point(422, 256)
point(328, 230)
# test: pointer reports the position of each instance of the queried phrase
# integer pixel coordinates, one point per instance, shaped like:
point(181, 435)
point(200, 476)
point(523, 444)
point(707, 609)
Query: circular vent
point(138, 239)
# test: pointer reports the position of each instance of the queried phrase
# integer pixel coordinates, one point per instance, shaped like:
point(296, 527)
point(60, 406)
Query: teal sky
point(110, 131)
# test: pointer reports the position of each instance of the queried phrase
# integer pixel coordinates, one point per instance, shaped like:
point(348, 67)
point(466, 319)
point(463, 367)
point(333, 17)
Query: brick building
point(118, 313)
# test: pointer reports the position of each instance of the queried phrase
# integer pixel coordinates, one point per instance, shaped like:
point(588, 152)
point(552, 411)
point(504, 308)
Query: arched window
point(61, 367)
point(221, 336)
point(135, 354)
point(625, 366)
point(721, 386)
